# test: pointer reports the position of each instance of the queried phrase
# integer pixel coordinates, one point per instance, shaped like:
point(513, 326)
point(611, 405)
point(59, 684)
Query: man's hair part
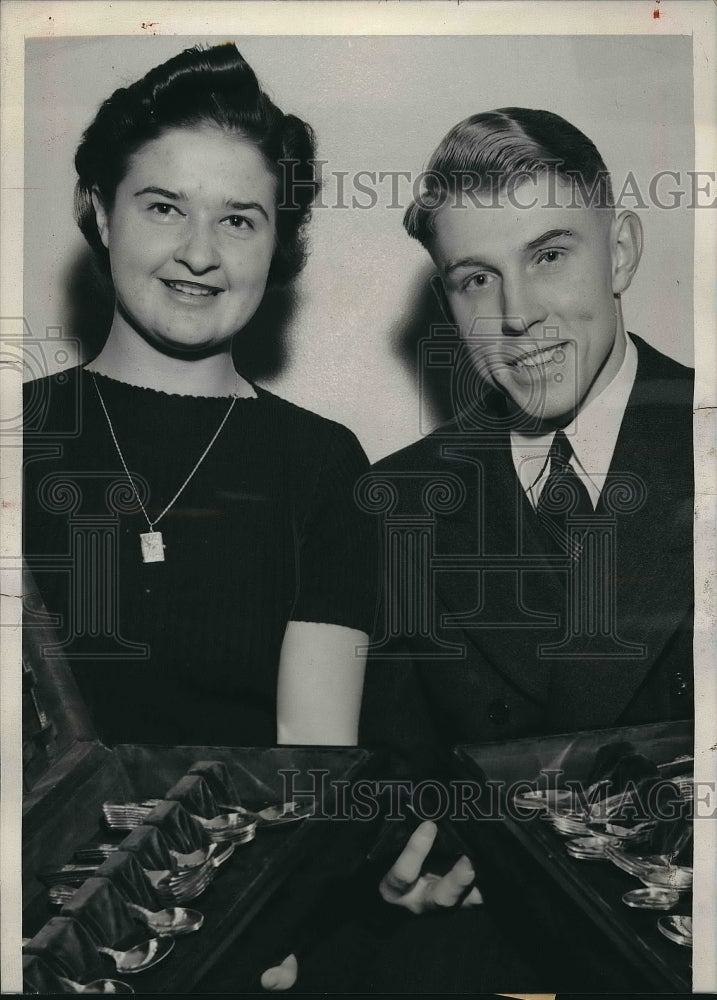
point(495, 149)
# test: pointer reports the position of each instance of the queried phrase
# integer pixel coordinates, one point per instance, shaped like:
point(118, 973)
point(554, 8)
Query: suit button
point(679, 685)
point(498, 712)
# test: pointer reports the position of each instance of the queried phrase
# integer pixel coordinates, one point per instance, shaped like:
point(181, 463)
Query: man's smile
point(539, 357)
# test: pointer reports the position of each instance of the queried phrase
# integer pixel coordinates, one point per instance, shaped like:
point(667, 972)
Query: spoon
point(285, 812)
point(215, 856)
point(142, 956)
point(196, 858)
point(98, 986)
point(274, 815)
point(170, 922)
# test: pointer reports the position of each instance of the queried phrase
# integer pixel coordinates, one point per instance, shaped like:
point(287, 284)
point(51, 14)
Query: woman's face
point(190, 238)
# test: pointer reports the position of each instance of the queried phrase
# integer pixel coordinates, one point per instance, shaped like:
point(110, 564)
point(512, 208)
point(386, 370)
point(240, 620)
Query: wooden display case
point(259, 897)
point(569, 912)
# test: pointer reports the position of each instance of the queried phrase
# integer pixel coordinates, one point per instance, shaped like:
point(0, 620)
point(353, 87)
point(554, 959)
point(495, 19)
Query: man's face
point(532, 292)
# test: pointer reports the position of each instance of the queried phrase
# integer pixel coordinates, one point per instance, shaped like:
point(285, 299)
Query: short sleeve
point(337, 559)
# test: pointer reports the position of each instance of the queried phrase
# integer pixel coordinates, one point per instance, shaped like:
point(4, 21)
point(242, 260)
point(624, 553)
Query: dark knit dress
point(267, 531)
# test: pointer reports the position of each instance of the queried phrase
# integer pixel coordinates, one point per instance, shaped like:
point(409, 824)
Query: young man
point(551, 589)
point(538, 548)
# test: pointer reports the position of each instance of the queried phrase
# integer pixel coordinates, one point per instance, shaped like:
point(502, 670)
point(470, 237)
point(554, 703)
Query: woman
point(196, 535)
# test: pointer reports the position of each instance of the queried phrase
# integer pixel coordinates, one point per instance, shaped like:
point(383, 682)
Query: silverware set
point(175, 887)
point(170, 922)
point(181, 877)
point(185, 884)
point(237, 827)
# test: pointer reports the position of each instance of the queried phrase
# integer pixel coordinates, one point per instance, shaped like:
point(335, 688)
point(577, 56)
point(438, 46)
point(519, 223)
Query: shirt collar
point(592, 434)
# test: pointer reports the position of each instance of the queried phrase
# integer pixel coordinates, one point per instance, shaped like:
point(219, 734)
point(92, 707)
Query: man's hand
point(281, 977)
point(404, 885)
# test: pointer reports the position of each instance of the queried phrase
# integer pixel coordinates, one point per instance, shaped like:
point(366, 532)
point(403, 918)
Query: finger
point(407, 867)
point(473, 898)
point(450, 889)
point(281, 977)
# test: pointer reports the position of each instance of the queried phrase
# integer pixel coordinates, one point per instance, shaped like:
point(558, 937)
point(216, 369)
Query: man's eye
point(550, 256)
point(477, 281)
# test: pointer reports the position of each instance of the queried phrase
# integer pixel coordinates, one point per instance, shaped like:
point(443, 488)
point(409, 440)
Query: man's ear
point(440, 292)
point(101, 217)
point(626, 250)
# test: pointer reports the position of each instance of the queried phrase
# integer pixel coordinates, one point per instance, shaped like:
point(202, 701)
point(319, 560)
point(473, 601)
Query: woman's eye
point(239, 222)
point(164, 209)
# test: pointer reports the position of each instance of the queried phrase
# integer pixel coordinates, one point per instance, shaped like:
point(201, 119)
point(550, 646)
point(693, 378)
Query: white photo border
point(23, 19)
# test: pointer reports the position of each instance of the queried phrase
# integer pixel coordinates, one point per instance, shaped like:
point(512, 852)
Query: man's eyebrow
point(539, 241)
point(552, 234)
point(465, 262)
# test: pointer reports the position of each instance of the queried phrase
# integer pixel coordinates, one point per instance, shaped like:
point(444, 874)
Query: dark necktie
point(563, 495)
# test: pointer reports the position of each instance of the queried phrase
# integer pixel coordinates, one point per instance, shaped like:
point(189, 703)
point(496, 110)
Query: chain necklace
point(151, 541)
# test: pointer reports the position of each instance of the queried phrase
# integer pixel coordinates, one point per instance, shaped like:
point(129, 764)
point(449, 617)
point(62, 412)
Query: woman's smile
point(191, 290)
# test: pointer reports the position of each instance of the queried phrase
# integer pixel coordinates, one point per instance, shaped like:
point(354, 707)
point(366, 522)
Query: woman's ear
point(626, 250)
point(101, 217)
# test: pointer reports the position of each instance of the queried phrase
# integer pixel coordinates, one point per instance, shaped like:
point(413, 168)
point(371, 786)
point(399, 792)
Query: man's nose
point(198, 248)
point(522, 308)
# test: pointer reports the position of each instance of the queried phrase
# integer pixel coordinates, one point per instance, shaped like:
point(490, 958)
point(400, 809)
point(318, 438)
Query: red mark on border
point(656, 11)
point(152, 24)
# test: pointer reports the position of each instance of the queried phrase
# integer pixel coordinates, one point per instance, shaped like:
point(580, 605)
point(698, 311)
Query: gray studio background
point(344, 341)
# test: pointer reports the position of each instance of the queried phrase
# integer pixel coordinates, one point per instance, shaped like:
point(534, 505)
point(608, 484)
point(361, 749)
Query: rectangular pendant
point(152, 546)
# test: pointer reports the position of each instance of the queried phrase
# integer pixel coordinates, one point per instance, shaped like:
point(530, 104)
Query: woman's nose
point(522, 308)
point(198, 249)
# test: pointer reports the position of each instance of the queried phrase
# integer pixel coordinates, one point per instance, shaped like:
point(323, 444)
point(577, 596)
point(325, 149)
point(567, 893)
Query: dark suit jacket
point(488, 637)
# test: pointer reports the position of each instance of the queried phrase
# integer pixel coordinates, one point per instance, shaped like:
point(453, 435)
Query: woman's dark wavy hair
point(216, 86)
point(497, 148)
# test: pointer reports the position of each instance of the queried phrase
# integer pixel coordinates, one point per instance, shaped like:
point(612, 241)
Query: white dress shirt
point(592, 434)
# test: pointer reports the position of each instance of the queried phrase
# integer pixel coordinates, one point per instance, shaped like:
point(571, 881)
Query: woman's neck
point(142, 365)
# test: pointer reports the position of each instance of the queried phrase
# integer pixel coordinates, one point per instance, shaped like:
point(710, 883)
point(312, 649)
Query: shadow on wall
point(426, 341)
point(260, 350)
point(91, 303)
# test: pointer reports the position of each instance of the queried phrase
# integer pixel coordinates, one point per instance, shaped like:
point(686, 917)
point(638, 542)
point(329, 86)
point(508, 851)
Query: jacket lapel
point(491, 557)
point(507, 594)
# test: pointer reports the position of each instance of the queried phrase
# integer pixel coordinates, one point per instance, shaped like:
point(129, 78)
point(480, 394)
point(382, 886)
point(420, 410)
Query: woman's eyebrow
point(245, 206)
point(163, 193)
